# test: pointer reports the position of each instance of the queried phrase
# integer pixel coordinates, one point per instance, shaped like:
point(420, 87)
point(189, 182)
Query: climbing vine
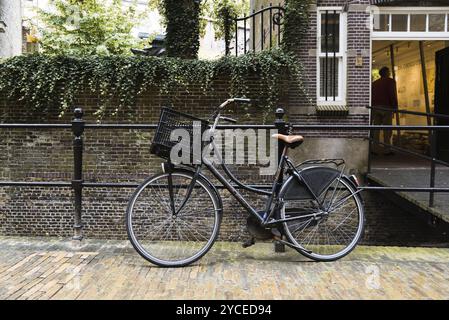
point(183, 26)
point(186, 22)
point(48, 84)
point(296, 22)
point(224, 12)
point(180, 21)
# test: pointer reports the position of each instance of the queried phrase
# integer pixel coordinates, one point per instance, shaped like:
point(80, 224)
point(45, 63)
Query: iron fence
point(269, 33)
point(432, 158)
point(78, 127)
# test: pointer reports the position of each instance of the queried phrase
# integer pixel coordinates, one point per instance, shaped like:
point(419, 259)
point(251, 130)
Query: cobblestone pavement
point(33, 268)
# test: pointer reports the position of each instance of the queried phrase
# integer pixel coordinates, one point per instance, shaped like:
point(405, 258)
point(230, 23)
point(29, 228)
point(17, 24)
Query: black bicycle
point(173, 218)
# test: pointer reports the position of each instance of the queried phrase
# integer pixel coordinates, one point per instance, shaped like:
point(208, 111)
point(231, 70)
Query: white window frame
point(341, 55)
point(409, 35)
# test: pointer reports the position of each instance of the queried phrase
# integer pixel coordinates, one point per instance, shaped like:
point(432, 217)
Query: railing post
point(262, 30)
point(77, 182)
point(371, 141)
point(254, 31)
point(433, 155)
point(398, 123)
point(236, 40)
point(281, 126)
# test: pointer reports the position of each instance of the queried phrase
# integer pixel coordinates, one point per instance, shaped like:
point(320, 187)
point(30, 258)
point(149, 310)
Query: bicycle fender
point(315, 178)
point(354, 185)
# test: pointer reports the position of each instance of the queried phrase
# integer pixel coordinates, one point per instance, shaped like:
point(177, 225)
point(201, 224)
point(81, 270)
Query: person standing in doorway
point(384, 95)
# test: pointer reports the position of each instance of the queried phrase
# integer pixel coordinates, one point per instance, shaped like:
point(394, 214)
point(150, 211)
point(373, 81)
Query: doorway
point(442, 101)
point(413, 66)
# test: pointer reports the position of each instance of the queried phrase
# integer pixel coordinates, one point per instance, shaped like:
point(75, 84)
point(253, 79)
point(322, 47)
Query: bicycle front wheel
point(167, 239)
point(330, 234)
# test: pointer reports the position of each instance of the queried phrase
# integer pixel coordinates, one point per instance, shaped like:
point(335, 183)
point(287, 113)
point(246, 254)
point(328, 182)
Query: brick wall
point(387, 224)
point(110, 156)
point(123, 156)
point(49, 212)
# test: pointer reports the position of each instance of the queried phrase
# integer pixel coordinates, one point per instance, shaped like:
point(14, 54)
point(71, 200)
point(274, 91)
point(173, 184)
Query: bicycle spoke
point(164, 238)
point(292, 226)
point(195, 231)
point(345, 219)
point(331, 234)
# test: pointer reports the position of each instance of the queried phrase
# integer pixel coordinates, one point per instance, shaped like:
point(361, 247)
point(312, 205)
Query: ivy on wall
point(47, 84)
point(224, 12)
point(52, 84)
point(184, 25)
point(183, 28)
point(296, 22)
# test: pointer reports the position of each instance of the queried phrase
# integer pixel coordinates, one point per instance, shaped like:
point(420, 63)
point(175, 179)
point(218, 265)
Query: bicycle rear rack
point(335, 162)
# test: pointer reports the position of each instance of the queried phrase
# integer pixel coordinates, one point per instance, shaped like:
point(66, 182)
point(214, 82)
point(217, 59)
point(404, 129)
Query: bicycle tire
point(347, 248)
point(143, 250)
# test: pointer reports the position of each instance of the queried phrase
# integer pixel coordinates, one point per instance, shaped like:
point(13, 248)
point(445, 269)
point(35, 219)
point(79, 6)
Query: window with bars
point(331, 56)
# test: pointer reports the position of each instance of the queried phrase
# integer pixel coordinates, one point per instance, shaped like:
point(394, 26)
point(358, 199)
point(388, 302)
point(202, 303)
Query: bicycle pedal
point(248, 243)
point(276, 233)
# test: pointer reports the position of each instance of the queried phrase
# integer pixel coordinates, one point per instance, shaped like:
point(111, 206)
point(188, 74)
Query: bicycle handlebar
point(242, 100)
point(228, 119)
point(227, 102)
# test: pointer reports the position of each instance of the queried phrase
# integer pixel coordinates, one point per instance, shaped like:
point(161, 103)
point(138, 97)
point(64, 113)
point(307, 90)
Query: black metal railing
point(382, 1)
point(432, 157)
point(79, 127)
point(266, 35)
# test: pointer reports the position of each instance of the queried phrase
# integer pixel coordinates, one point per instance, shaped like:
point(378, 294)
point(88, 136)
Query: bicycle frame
point(273, 202)
point(273, 199)
point(276, 214)
point(307, 194)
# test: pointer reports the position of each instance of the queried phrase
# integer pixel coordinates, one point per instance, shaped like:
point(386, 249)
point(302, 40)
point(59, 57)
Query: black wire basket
point(172, 120)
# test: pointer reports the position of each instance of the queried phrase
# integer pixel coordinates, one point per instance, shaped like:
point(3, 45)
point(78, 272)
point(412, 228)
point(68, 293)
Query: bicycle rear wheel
point(167, 239)
point(328, 234)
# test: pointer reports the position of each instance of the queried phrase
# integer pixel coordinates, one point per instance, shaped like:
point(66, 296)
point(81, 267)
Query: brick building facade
point(123, 156)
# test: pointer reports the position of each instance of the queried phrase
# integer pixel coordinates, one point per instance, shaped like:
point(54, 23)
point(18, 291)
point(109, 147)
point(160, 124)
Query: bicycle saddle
point(291, 141)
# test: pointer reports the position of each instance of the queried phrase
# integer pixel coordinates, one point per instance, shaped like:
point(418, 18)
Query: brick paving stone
point(34, 268)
